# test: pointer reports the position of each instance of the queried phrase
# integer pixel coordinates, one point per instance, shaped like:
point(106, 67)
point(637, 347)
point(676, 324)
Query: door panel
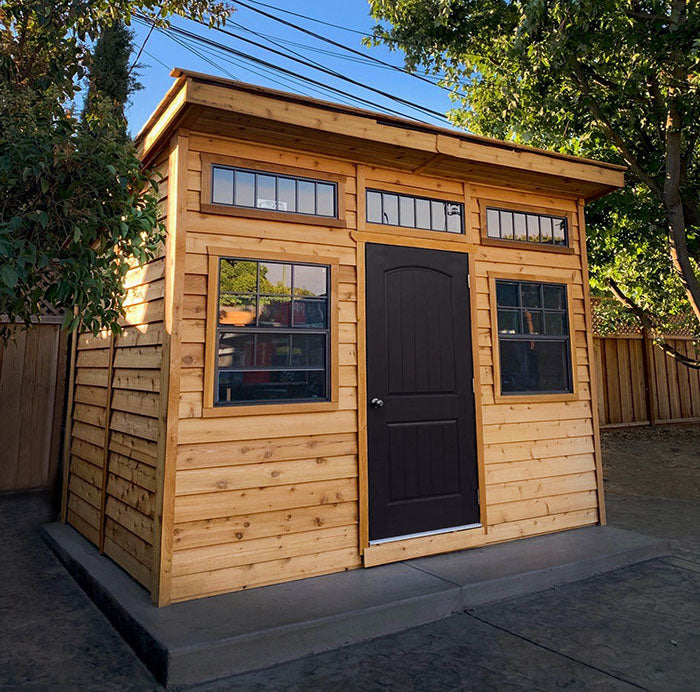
point(421, 441)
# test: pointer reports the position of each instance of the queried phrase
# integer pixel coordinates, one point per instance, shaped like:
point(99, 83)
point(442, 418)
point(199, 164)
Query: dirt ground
point(656, 461)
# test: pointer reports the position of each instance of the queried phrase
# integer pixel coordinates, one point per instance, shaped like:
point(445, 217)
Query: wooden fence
point(32, 390)
point(638, 384)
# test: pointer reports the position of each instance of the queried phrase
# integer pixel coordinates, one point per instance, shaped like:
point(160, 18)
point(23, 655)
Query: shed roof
point(247, 111)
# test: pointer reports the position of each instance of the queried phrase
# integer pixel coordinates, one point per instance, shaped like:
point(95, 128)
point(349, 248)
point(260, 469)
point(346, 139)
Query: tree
point(611, 79)
point(77, 209)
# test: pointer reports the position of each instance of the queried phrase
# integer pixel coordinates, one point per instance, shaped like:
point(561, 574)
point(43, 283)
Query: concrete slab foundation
point(216, 637)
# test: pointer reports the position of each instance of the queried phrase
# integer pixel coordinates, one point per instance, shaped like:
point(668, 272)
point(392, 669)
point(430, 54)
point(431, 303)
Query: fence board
point(32, 373)
point(622, 399)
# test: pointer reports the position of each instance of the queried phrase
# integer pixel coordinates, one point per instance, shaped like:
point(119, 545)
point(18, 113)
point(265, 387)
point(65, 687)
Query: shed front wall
point(267, 498)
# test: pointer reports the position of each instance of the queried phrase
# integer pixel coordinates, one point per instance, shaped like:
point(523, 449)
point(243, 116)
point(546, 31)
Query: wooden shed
point(367, 339)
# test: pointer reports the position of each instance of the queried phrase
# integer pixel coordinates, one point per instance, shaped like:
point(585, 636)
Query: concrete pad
point(215, 637)
point(517, 568)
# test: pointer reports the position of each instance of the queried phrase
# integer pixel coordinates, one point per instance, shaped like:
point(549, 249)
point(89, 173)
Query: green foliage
point(595, 78)
point(77, 208)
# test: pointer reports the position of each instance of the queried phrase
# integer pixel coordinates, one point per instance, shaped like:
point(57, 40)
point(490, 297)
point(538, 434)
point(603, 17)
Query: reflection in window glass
point(533, 337)
point(246, 188)
point(222, 185)
point(272, 332)
point(393, 209)
point(533, 228)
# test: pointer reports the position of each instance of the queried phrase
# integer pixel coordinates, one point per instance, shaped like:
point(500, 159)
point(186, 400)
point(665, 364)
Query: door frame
point(362, 238)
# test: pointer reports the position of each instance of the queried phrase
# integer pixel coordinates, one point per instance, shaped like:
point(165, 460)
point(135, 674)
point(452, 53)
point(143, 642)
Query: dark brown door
point(420, 418)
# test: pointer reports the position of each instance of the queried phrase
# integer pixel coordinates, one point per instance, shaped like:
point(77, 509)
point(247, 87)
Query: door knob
point(376, 403)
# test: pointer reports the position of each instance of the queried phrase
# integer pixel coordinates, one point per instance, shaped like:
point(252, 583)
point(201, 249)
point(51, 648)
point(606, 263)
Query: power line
point(312, 19)
point(289, 73)
point(317, 66)
point(335, 43)
point(145, 40)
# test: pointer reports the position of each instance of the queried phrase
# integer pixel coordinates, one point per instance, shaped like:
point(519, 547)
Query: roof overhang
point(228, 108)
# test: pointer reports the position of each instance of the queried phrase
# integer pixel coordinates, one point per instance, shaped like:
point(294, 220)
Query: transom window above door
point(533, 338)
point(408, 211)
point(272, 332)
point(526, 227)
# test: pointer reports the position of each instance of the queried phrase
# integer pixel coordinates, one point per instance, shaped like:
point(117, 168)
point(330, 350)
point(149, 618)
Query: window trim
point(208, 207)
point(504, 205)
point(209, 409)
point(531, 397)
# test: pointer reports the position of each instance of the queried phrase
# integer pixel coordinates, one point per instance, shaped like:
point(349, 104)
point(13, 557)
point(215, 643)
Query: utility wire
point(335, 43)
point(289, 73)
point(317, 66)
point(145, 41)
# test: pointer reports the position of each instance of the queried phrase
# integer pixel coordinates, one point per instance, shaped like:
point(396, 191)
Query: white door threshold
point(436, 532)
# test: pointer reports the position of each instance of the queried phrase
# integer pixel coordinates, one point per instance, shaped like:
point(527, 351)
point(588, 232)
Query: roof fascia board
point(159, 125)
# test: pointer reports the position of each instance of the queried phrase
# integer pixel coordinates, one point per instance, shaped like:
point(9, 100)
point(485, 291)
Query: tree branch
point(647, 323)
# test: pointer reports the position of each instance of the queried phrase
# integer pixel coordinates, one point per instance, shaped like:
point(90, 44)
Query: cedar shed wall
point(111, 447)
point(260, 499)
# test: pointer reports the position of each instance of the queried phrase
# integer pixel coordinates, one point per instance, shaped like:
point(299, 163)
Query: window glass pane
point(391, 210)
point(555, 324)
point(310, 313)
point(271, 385)
point(238, 276)
point(407, 211)
point(492, 223)
point(267, 197)
point(507, 293)
point(374, 207)
point(422, 213)
point(559, 231)
point(546, 228)
point(236, 350)
point(519, 227)
point(554, 297)
point(532, 322)
point(286, 195)
point(237, 311)
point(507, 225)
point(509, 321)
point(271, 349)
point(245, 189)
point(309, 350)
point(275, 278)
point(222, 186)
point(325, 199)
point(439, 220)
point(274, 312)
point(309, 281)
point(530, 295)
point(306, 194)
point(454, 218)
point(533, 228)
point(534, 366)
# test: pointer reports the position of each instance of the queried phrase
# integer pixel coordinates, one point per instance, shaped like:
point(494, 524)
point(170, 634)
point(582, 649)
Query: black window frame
point(290, 331)
point(277, 176)
point(553, 217)
point(415, 198)
point(565, 339)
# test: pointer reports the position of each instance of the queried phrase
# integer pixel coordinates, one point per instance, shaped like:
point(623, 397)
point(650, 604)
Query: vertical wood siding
point(32, 389)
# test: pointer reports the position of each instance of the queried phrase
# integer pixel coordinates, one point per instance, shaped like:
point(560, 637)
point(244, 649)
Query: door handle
point(376, 403)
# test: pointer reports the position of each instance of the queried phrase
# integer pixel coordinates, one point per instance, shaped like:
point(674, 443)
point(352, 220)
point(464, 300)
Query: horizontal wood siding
point(111, 492)
point(269, 498)
point(263, 498)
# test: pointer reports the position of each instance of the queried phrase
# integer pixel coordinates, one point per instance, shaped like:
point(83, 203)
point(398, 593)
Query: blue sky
point(162, 53)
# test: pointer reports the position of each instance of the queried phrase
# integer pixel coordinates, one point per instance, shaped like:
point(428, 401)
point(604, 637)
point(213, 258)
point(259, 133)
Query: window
point(252, 189)
point(393, 209)
point(533, 337)
point(272, 332)
point(524, 227)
